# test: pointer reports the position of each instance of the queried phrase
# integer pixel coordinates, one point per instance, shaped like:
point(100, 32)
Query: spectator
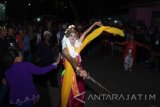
point(45, 55)
point(10, 38)
point(26, 46)
point(22, 91)
point(19, 39)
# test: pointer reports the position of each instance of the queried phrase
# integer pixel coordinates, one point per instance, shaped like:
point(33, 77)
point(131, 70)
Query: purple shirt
point(20, 82)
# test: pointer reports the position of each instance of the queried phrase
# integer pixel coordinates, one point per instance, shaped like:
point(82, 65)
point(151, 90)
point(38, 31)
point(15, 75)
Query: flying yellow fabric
point(69, 71)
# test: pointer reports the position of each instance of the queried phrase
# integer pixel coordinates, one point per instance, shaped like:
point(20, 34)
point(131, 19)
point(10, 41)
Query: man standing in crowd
point(45, 55)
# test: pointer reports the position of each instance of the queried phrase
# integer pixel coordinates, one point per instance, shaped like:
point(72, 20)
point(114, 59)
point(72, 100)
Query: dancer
point(73, 85)
point(130, 52)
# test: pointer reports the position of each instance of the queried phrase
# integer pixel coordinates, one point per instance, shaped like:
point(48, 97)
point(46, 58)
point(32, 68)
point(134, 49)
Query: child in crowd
point(130, 52)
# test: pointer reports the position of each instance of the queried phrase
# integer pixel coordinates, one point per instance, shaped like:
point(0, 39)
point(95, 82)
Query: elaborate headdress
point(69, 30)
point(66, 41)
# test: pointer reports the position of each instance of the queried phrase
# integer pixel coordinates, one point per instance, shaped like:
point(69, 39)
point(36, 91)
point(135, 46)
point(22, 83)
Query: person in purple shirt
point(22, 91)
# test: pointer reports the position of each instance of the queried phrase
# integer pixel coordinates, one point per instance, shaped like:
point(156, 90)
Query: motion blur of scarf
point(69, 71)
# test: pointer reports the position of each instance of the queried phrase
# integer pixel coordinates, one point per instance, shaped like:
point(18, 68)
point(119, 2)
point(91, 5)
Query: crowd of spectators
point(41, 43)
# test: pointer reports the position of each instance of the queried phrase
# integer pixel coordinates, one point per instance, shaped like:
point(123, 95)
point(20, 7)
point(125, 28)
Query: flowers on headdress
point(69, 28)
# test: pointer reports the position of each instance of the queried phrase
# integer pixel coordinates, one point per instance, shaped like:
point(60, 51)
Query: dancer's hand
point(83, 74)
point(98, 23)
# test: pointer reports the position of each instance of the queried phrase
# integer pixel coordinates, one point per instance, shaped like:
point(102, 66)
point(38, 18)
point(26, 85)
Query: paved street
point(141, 85)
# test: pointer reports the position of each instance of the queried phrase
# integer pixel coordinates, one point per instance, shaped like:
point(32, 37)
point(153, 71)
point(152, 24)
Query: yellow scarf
point(69, 71)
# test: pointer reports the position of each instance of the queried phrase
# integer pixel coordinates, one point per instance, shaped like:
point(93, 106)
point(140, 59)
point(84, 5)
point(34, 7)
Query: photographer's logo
point(122, 97)
point(116, 97)
point(80, 97)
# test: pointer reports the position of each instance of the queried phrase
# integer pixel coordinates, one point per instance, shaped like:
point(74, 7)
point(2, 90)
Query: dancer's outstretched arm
point(89, 29)
point(142, 45)
point(121, 43)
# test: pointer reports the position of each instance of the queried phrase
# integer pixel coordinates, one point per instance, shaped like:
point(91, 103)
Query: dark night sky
point(62, 8)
